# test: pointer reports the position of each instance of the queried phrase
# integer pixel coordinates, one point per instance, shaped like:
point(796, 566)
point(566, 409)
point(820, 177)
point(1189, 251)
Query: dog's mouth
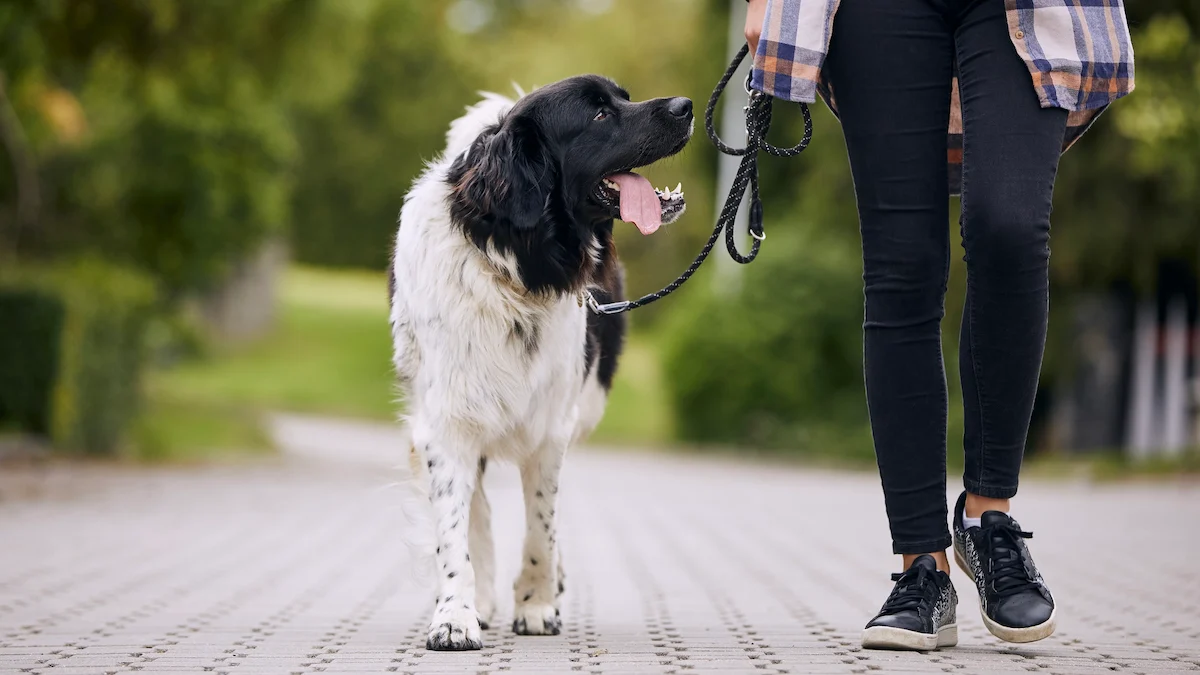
point(632, 198)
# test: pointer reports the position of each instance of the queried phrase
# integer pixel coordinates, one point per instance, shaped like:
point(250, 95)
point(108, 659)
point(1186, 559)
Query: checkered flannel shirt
point(1078, 53)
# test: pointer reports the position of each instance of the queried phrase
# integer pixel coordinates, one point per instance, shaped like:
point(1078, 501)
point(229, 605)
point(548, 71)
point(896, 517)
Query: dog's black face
point(545, 183)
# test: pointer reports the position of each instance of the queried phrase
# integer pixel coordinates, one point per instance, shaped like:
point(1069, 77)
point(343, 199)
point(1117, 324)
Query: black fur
point(606, 332)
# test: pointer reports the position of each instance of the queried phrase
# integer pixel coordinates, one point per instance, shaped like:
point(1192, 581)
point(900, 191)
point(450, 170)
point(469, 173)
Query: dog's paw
point(486, 610)
point(536, 619)
point(454, 632)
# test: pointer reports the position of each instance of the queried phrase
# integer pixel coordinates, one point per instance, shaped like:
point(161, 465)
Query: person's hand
point(756, 11)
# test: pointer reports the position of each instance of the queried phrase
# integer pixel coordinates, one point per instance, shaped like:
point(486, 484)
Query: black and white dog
point(496, 353)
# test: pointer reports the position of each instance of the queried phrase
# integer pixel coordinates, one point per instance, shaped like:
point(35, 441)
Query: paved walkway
point(674, 565)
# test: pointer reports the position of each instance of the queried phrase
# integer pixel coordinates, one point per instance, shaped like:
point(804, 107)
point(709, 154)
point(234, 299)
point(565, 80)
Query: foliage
point(93, 318)
point(359, 157)
point(774, 363)
point(1127, 195)
point(164, 130)
point(28, 355)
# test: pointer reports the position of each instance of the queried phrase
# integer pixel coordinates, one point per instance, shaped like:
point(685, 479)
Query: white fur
point(474, 391)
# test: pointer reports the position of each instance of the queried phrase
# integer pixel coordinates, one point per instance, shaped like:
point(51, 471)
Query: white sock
point(968, 523)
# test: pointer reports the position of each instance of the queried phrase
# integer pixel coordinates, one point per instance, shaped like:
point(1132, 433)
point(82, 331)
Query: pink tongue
point(639, 202)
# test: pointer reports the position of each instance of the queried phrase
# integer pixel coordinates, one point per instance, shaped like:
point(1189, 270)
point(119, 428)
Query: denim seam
point(941, 543)
point(942, 363)
point(979, 397)
point(990, 491)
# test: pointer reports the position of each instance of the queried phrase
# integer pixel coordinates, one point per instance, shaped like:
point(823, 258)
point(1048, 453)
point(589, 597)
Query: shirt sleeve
point(791, 52)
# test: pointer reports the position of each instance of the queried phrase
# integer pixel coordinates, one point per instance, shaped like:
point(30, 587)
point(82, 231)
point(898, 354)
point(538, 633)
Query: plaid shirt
point(1078, 53)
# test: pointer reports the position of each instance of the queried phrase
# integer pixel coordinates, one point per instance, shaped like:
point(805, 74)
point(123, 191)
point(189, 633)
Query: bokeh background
point(197, 200)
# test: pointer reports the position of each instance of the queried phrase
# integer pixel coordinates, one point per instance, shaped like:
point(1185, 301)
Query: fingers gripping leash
point(758, 123)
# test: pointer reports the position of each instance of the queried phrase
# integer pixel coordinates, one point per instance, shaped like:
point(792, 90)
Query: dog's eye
point(600, 116)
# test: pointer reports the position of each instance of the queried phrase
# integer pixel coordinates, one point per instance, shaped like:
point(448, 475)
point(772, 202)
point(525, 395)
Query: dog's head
point(548, 179)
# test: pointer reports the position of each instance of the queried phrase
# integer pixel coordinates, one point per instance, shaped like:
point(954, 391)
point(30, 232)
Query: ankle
point(976, 505)
point(943, 564)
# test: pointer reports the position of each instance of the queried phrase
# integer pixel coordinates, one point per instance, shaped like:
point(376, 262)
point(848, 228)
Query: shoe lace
point(914, 586)
point(1002, 550)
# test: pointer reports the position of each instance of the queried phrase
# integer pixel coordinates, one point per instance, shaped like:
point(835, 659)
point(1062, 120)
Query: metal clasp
point(605, 308)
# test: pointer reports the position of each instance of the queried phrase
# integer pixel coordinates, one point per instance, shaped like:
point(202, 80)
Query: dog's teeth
point(679, 188)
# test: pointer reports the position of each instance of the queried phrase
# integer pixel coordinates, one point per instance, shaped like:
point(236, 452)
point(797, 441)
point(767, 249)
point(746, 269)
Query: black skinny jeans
point(890, 63)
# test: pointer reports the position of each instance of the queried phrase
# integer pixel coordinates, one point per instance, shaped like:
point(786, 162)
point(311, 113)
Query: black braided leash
point(758, 122)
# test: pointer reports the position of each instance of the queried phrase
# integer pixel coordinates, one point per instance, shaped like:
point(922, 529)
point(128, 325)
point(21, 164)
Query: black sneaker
point(919, 615)
point(1014, 601)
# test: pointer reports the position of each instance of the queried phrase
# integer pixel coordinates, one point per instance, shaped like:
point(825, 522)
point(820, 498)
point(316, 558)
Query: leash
point(758, 122)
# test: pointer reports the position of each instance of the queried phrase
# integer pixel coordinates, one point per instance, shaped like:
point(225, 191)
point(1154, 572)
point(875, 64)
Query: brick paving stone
point(675, 564)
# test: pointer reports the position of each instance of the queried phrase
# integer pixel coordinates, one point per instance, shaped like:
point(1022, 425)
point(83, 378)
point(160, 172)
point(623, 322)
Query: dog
point(496, 354)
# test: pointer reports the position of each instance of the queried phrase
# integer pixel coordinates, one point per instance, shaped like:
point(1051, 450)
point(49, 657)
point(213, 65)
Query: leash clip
point(605, 308)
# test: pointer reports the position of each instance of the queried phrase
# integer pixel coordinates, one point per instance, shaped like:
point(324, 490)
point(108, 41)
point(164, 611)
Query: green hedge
point(777, 362)
point(71, 352)
point(32, 322)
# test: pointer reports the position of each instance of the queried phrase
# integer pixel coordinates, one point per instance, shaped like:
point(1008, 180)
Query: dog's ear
point(504, 179)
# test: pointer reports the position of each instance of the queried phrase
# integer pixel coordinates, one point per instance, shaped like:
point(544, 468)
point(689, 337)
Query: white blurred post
point(1175, 399)
point(1196, 385)
point(1141, 420)
point(732, 128)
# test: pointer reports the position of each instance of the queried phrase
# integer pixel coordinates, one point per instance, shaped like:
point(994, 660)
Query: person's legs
point(890, 67)
point(1011, 148)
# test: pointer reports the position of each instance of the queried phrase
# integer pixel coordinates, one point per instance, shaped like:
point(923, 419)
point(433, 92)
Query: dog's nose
point(680, 107)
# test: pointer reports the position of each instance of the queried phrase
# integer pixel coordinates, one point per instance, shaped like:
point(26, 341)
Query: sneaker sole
point(888, 637)
point(1030, 634)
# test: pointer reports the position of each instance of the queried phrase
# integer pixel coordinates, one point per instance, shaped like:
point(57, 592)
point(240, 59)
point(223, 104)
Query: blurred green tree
point(359, 157)
point(1129, 193)
point(163, 131)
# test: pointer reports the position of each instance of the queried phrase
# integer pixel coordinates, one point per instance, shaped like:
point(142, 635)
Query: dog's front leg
point(452, 479)
point(483, 552)
point(536, 590)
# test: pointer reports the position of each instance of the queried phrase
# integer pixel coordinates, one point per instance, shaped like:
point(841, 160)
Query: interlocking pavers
point(674, 564)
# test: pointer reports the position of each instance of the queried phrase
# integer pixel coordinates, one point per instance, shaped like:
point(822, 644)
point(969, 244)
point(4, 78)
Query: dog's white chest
point(472, 351)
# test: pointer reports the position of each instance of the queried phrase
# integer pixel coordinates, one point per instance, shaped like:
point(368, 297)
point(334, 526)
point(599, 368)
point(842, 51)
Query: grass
point(638, 410)
point(330, 354)
point(181, 431)
point(1113, 466)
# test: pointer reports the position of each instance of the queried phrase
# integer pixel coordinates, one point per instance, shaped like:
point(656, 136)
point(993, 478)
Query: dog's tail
point(418, 532)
